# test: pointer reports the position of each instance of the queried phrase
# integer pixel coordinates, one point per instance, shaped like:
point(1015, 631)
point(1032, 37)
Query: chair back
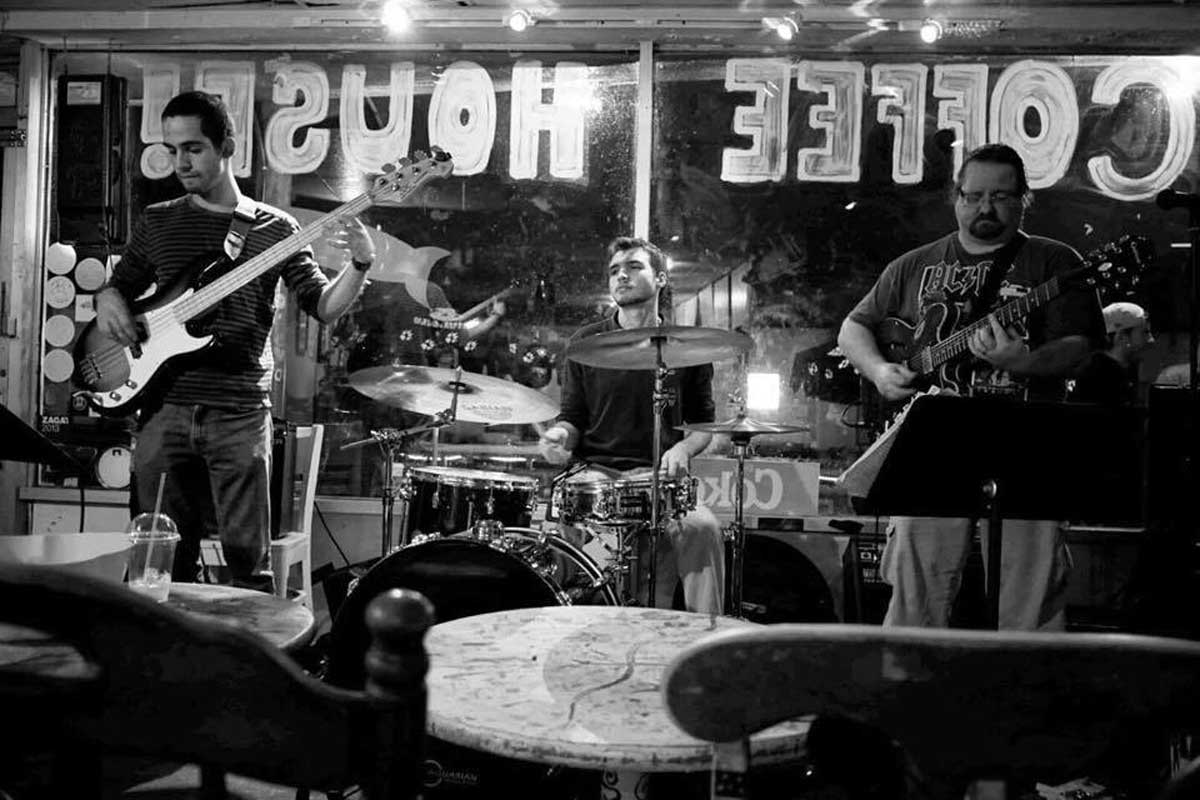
point(309, 439)
point(123, 675)
point(963, 705)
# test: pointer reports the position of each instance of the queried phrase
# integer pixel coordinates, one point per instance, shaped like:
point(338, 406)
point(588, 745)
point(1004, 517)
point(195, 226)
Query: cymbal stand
point(737, 538)
point(661, 399)
point(737, 530)
point(390, 440)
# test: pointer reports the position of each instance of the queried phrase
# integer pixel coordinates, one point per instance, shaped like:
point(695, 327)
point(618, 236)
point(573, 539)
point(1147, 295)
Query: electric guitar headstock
point(399, 180)
point(1115, 269)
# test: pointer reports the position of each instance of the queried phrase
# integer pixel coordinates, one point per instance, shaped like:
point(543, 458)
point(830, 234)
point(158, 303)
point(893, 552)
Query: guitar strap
point(239, 226)
point(1003, 262)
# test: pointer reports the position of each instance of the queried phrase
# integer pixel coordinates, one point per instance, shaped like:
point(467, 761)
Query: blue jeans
point(217, 465)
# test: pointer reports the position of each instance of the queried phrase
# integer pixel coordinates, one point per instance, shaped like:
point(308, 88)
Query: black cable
point(82, 504)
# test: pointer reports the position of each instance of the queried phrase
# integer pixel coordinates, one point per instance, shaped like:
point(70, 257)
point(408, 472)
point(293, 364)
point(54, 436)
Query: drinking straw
point(162, 479)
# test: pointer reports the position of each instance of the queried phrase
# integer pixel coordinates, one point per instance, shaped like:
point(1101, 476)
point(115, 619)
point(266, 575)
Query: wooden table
point(578, 686)
point(285, 624)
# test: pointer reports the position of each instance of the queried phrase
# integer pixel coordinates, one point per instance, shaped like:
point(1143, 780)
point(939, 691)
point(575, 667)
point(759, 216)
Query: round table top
point(575, 685)
point(24, 649)
point(283, 623)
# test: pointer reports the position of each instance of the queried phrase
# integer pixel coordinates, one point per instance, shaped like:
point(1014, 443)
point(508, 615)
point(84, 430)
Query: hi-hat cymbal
point(638, 348)
point(742, 426)
point(430, 390)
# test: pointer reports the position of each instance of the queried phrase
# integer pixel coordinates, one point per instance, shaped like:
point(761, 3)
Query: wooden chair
point(293, 548)
point(963, 706)
point(124, 676)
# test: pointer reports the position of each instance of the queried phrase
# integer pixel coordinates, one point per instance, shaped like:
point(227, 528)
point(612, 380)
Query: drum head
point(475, 478)
point(460, 576)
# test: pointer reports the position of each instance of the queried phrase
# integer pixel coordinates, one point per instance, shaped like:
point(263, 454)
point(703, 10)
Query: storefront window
point(790, 184)
point(536, 192)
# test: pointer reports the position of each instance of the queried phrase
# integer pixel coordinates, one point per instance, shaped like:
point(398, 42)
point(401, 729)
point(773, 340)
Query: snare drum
point(463, 576)
point(623, 501)
point(446, 500)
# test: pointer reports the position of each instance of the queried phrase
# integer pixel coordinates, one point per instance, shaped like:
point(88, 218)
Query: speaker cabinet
point(91, 180)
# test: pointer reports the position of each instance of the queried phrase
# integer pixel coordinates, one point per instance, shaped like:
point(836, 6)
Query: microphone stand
point(1194, 279)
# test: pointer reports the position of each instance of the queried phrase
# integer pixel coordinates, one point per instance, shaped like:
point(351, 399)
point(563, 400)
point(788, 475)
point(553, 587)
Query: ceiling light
point(787, 29)
point(395, 16)
point(519, 20)
point(931, 31)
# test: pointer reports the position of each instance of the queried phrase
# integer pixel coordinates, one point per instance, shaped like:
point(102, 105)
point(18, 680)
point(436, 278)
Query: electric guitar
point(174, 319)
point(935, 350)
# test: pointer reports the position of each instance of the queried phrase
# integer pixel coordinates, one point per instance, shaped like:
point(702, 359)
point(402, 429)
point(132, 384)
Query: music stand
point(1004, 459)
point(19, 442)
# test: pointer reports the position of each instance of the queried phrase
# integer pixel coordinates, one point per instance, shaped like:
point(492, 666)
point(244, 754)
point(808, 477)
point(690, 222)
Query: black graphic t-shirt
point(940, 283)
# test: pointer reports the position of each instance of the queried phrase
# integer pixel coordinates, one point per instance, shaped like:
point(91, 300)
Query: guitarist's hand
point(1001, 347)
point(894, 381)
point(113, 318)
point(353, 236)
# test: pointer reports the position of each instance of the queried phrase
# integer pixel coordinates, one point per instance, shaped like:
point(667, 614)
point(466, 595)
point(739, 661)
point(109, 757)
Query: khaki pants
point(924, 557)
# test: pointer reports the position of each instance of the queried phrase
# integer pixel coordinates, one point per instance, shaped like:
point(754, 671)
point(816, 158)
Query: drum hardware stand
point(737, 529)
point(390, 440)
point(661, 399)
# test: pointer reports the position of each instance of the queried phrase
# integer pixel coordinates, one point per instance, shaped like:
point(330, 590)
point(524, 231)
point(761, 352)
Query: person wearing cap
point(1110, 376)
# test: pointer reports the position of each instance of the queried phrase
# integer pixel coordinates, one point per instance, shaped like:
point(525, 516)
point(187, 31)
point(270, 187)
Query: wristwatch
point(361, 266)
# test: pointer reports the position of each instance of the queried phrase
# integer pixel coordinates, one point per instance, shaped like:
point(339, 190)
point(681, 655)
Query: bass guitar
point(173, 320)
point(935, 351)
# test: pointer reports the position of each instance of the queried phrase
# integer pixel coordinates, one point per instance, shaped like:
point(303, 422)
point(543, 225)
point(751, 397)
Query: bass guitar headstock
point(397, 181)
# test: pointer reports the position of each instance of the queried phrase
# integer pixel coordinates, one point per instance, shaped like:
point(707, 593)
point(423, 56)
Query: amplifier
point(808, 576)
point(866, 602)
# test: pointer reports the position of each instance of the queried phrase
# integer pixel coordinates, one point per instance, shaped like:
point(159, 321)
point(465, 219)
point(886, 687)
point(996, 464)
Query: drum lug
point(564, 599)
point(501, 543)
point(488, 530)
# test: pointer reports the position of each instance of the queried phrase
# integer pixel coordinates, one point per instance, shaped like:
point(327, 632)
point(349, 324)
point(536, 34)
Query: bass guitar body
point(117, 376)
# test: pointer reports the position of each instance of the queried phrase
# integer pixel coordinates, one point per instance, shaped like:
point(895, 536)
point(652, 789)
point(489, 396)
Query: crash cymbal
point(430, 390)
point(637, 348)
point(743, 426)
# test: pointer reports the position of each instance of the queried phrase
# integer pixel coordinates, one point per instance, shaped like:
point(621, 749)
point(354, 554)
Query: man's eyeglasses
point(997, 198)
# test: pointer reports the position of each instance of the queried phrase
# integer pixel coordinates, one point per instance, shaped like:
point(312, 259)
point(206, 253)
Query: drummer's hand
point(552, 445)
point(675, 461)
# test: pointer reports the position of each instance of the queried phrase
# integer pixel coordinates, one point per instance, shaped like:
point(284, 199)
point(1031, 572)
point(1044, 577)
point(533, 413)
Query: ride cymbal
point(640, 348)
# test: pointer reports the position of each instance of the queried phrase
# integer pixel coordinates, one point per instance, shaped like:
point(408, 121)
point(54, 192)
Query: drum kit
point(467, 532)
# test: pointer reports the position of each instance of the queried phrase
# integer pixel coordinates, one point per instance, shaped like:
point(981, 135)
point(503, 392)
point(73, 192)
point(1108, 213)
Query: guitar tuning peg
point(389, 167)
point(420, 155)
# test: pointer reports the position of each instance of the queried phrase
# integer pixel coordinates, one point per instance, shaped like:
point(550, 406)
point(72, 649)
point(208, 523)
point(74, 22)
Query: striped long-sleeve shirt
point(181, 236)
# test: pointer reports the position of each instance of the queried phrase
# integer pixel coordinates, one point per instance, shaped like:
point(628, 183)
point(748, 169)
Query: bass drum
point(463, 576)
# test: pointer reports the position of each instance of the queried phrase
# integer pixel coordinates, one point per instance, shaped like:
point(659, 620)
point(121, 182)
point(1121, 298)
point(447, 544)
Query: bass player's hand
point(113, 318)
point(894, 381)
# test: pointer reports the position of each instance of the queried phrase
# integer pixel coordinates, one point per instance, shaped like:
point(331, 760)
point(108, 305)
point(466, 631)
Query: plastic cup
point(151, 554)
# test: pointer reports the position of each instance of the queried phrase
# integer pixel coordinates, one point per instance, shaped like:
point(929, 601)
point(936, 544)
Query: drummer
point(606, 419)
